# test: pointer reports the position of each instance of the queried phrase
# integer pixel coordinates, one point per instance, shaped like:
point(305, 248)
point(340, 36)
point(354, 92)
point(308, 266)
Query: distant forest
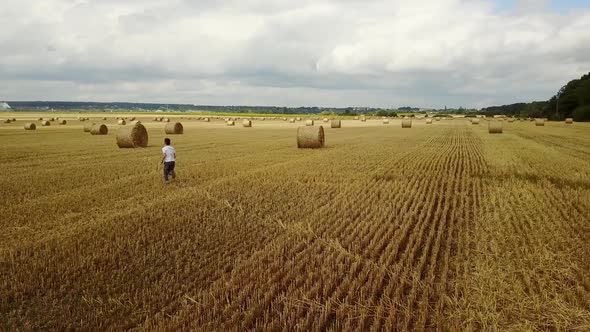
point(573, 102)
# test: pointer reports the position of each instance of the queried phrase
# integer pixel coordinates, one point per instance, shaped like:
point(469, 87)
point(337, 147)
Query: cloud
point(426, 53)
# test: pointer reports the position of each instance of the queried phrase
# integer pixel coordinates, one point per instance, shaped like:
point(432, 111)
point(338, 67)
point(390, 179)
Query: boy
point(168, 160)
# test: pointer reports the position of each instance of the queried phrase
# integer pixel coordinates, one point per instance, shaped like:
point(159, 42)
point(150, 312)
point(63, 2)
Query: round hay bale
point(51, 119)
point(428, 121)
point(6, 120)
point(132, 136)
point(62, 122)
point(99, 129)
point(206, 119)
point(104, 118)
point(122, 122)
point(174, 128)
point(494, 127)
point(437, 119)
point(30, 126)
point(40, 119)
point(511, 120)
point(88, 127)
point(363, 119)
point(310, 137)
point(326, 120)
point(407, 123)
point(13, 119)
point(247, 123)
point(335, 123)
point(385, 121)
point(475, 121)
point(166, 120)
point(298, 119)
point(569, 120)
point(309, 122)
point(45, 123)
point(230, 123)
point(292, 120)
point(155, 119)
point(539, 122)
point(132, 119)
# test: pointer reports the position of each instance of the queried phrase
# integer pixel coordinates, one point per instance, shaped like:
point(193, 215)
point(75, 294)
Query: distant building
point(4, 106)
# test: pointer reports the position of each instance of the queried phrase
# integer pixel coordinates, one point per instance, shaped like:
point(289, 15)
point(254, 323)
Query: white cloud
point(264, 52)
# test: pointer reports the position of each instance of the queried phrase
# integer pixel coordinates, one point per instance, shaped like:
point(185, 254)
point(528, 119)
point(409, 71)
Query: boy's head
point(167, 141)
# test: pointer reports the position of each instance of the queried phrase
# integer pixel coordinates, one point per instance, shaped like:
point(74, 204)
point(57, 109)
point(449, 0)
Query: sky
point(327, 53)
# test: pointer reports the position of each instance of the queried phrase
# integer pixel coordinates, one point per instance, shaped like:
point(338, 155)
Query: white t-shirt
point(169, 153)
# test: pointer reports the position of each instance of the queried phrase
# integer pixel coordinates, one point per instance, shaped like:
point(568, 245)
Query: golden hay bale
point(335, 123)
point(62, 122)
point(6, 120)
point(407, 123)
point(156, 119)
point(437, 119)
point(230, 123)
point(166, 120)
point(385, 121)
point(298, 119)
point(206, 119)
point(247, 123)
point(494, 127)
point(40, 119)
point(132, 136)
point(539, 122)
point(132, 119)
point(30, 126)
point(475, 121)
point(13, 119)
point(51, 119)
point(311, 137)
point(122, 122)
point(326, 120)
point(104, 118)
point(510, 120)
point(99, 129)
point(45, 123)
point(174, 128)
point(309, 122)
point(356, 117)
point(569, 120)
point(428, 121)
point(88, 127)
point(363, 119)
point(292, 120)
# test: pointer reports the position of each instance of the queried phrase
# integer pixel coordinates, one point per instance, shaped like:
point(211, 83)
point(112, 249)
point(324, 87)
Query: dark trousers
point(168, 169)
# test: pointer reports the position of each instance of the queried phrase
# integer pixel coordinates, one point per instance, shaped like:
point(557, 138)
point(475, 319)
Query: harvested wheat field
point(441, 227)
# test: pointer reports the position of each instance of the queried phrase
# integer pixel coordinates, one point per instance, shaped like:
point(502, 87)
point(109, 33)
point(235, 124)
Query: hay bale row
point(495, 127)
point(30, 126)
point(99, 129)
point(310, 137)
point(336, 124)
point(407, 123)
point(174, 128)
point(132, 136)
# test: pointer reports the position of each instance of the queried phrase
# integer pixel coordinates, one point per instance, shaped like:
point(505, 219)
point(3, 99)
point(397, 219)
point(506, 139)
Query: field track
point(440, 226)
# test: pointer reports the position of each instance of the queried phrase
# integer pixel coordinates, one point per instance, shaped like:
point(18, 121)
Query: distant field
point(440, 226)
